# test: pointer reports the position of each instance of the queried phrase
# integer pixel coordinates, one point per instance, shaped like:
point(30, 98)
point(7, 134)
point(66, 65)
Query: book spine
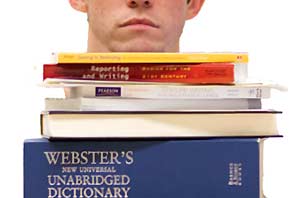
point(168, 92)
point(105, 104)
point(101, 169)
point(205, 73)
point(149, 57)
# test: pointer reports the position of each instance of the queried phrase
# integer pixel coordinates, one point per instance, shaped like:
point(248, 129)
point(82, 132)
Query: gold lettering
point(114, 157)
point(52, 157)
point(65, 158)
point(52, 192)
point(125, 190)
point(129, 157)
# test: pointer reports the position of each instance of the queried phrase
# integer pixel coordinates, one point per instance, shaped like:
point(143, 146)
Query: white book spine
point(169, 92)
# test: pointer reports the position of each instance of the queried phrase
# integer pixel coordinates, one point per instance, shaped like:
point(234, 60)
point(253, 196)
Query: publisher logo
point(108, 91)
point(235, 174)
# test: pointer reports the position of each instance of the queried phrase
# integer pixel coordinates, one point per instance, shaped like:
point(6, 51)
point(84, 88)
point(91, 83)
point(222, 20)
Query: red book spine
point(203, 73)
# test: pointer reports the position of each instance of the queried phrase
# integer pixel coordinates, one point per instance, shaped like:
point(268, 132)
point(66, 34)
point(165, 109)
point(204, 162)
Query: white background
point(30, 30)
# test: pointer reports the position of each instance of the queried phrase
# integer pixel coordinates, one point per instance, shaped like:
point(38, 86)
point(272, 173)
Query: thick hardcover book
point(205, 73)
point(100, 90)
point(149, 57)
point(132, 169)
point(158, 124)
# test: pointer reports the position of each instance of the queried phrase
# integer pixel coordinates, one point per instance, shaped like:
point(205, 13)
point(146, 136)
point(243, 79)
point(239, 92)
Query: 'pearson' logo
point(107, 91)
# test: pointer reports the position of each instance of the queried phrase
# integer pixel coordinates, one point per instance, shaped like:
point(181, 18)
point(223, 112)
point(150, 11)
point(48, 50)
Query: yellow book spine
point(150, 57)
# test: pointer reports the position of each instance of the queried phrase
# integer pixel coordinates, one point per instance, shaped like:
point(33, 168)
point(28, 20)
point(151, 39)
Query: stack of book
point(150, 124)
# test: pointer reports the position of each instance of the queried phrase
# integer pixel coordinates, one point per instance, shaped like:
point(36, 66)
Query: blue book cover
point(205, 168)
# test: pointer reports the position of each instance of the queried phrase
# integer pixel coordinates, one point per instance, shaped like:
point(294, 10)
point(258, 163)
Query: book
point(136, 104)
point(78, 89)
point(158, 124)
point(199, 73)
point(216, 167)
point(203, 57)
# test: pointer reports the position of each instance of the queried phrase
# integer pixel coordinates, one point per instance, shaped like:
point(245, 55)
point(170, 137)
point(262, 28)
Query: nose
point(139, 3)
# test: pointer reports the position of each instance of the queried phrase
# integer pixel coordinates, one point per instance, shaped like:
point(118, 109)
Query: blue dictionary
point(205, 168)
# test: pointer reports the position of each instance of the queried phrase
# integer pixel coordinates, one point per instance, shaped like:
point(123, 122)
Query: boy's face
point(136, 26)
